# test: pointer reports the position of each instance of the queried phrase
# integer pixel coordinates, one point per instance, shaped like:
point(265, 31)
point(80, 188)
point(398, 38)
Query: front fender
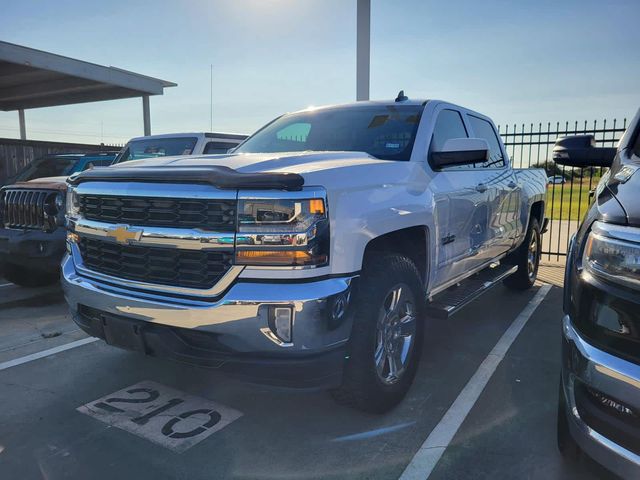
point(373, 202)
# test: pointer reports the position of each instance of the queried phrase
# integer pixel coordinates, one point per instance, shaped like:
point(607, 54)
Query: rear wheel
point(386, 339)
point(30, 278)
point(527, 258)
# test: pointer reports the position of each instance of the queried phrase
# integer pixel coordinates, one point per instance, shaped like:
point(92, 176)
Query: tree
point(554, 169)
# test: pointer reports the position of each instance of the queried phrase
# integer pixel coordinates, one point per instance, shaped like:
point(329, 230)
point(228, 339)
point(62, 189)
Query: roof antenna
point(401, 96)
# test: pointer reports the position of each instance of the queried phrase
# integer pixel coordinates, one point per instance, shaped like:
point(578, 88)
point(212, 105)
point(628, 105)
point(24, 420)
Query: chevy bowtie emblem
point(124, 233)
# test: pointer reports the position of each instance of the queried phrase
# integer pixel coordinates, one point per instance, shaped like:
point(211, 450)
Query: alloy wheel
point(532, 256)
point(395, 334)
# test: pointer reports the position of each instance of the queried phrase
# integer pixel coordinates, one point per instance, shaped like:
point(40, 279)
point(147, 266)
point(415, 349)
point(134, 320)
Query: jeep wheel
point(29, 278)
point(527, 258)
point(386, 339)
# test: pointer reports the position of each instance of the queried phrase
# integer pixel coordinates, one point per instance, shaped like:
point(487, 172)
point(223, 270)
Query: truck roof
point(230, 136)
point(365, 103)
point(390, 103)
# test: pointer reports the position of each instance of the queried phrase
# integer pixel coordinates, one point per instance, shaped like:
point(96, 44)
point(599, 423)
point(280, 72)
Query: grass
point(569, 201)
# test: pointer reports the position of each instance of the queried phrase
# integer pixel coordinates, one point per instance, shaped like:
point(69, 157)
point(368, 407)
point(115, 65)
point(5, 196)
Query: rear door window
point(483, 129)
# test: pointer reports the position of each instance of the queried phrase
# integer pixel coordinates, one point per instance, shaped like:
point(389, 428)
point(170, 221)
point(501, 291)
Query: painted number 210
point(147, 395)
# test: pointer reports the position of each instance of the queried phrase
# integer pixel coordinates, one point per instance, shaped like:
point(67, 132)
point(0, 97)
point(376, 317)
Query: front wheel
point(527, 258)
point(386, 339)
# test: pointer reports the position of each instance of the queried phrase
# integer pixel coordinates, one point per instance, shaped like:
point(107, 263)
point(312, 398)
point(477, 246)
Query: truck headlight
point(282, 232)
point(614, 259)
point(73, 205)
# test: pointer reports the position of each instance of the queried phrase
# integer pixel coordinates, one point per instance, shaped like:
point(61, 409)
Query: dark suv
point(599, 403)
point(32, 216)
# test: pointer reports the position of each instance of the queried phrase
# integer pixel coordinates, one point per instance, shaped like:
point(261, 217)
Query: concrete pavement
point(509, 433)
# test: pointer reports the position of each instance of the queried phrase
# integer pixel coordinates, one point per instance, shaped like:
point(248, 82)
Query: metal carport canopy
point(31, 78)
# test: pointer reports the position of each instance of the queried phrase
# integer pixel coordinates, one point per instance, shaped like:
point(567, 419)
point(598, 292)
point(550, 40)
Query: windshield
point(47, 167)
point(157, 147)
point(385, 132)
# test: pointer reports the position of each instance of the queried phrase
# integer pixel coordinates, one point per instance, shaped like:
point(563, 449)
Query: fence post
point(23, 127)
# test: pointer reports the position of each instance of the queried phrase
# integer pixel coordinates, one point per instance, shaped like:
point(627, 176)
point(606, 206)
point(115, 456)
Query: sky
point(517, 61)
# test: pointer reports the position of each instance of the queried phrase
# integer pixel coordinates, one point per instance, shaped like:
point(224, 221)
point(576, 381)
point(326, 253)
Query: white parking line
point(5, 284)
point(46, 353)
point(427, 457)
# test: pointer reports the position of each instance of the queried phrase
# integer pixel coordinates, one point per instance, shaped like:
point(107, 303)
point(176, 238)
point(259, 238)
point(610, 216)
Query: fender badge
point(625, 173)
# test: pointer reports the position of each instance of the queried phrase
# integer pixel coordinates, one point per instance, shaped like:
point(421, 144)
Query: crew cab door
point(504, 192)
point(460, 209)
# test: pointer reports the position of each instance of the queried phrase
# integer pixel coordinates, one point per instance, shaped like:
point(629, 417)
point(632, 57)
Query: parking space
point(33, 320)
point(98, 412)
point(512, 427)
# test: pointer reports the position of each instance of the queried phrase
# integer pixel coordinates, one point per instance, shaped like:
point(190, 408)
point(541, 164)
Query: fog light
point(281, 322)
point(609, 319)
point(337, 309)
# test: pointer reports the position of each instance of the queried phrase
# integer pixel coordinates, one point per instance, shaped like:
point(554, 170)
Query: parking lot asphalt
point(58, 418)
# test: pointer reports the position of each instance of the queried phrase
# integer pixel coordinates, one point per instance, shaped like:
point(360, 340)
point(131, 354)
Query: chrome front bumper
point(610, 375)
point(237, 320)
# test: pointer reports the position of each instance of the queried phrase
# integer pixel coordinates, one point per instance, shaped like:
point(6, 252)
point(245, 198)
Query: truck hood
point(48, 183)
point(337, 172)
point(281, 162)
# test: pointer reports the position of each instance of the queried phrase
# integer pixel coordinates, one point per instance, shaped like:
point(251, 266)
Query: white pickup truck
point(311, 255)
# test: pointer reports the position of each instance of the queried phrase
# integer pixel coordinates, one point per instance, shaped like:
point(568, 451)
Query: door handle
point(512, 184)
point(481, 187)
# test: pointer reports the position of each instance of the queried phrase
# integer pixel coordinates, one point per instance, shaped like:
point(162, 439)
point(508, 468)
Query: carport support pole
point(363, 49)
point(146, 115)
point(23, 128)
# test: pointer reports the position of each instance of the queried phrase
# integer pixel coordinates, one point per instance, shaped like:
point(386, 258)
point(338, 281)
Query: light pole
point(363, 49)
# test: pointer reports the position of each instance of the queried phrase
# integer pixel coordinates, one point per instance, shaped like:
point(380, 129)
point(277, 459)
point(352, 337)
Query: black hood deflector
point(218, 176)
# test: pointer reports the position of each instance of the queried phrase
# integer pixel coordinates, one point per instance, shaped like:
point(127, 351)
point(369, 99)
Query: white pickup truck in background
point(311, 255)
point(171, 144)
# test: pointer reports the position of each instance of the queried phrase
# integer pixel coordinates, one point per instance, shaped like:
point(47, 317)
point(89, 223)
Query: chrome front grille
point(175, 239)
point(218, 215)
point(28, 209)
point(199, 269)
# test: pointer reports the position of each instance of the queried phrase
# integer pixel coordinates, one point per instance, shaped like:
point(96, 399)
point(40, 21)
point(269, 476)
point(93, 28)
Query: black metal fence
point(568, 194)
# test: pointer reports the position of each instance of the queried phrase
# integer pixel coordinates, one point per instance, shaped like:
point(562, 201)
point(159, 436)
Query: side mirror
point(581, 151)
point(461, 151)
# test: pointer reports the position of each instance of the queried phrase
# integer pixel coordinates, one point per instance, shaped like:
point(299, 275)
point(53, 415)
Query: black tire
point(525, 277)
point(30, 278)
point(567, 446)
point(363, 386)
